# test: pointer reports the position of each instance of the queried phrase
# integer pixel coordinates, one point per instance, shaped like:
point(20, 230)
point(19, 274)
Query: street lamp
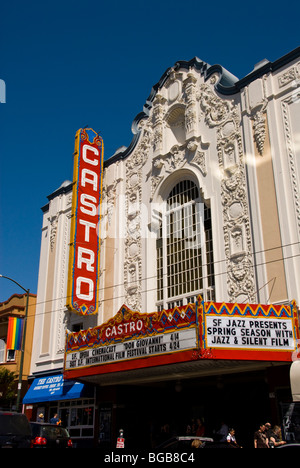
point(23, 340)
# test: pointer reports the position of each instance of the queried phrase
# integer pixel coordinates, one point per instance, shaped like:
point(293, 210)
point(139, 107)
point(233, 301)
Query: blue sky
point(69, 64)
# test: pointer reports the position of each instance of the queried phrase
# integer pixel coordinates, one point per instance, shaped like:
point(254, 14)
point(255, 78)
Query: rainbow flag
point(14, 333)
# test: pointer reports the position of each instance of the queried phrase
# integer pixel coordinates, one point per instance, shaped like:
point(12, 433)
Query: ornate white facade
point(237, 144)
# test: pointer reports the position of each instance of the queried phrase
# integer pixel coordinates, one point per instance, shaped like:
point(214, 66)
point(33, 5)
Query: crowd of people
point(267, 436)
point(226, 435)
point(223, 435)
point(54, 420)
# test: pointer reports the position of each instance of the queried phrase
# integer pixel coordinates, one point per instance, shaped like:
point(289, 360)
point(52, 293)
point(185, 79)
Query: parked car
point(189, 444)
point(289, 445)
point(49, 436)
point(15, 431)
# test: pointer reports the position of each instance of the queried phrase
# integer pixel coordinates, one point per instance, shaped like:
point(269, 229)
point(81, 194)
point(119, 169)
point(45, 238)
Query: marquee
point(249, 331)
point(133, 340)
point(201, 330)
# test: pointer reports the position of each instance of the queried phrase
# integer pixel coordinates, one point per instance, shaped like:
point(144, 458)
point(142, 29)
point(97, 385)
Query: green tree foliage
point(7, 388)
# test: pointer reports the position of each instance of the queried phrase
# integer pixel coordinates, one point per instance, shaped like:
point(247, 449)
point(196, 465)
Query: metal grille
point(184, 248)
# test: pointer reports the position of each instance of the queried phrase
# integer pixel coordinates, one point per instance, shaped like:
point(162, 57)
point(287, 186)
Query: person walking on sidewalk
point(260, 438)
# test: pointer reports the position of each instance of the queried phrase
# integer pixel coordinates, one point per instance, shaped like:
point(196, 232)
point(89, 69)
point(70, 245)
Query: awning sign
point(53, 388)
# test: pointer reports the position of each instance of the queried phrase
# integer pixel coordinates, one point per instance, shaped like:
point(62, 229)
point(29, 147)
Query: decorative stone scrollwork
point(109, 200)
point(216, 110)
point(259, 127)
point(224, 115)
point(292, 157)
point(190, 110)
point(165, 165)
point(174, 87)
point(193, 151)
point(158, 113)
point(53, 231)
point(197, 156)
point(287, 77)
point(229, 156)
point(237, 237)
point(133, 241)
point(62, 318)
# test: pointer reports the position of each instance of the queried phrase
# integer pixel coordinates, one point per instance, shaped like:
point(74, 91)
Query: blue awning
point(53, 388)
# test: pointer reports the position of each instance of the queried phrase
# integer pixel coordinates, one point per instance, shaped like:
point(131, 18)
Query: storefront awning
point(53, 388)
point(295, 380)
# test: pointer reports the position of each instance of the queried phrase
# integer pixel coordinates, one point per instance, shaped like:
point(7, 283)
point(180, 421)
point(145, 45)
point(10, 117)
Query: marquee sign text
point(133, 349)
point(129, 336)
point(249, 333)
point(203, 330)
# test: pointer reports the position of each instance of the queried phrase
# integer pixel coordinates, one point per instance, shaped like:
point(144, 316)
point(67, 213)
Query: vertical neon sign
point(84, 259)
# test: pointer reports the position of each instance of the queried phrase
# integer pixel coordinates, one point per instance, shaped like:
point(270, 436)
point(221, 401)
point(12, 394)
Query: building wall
point(52, 317)
point(238, 142)
point(270, 109)
point(15, 306)
point(191, 133)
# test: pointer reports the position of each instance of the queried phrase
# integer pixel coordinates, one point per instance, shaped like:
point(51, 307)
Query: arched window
point(184, 249)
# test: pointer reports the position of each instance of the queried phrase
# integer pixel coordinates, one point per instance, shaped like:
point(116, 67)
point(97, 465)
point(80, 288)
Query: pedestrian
point(55, 420)
point(260, 438)
point(276, 437)
point(40, 418)
point(268, 429)
point(231, 440)
point(222, 432)
point(200, 429)
point(164, 433)
point(188, 429)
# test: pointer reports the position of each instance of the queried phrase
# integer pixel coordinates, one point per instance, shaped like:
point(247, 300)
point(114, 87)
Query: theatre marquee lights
point(202, 330)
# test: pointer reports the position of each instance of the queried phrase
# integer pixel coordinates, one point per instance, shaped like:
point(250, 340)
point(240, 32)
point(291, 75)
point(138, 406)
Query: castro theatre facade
point(178, 299)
